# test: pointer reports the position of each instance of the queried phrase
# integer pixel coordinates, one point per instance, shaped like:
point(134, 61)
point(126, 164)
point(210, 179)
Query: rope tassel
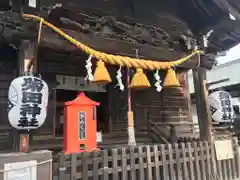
point(171, 79)
point(139, 80)
point(101, 75)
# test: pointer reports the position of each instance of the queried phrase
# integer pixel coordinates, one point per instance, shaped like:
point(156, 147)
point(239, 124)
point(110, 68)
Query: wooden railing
point(158, 132)
point(184, 161)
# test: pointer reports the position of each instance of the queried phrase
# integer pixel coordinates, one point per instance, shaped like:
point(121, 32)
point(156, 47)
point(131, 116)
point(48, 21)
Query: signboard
point(32, 3)
point(27, 102)
point(26, 170)
point(99, 136)
point(78, 84)
point(24, 142)
point(221, 107)
point(224, 149)
point(82, 125)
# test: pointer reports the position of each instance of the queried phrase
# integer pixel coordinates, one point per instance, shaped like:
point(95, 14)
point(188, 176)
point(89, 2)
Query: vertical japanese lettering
point(227, 109)
point(31, 99)
point(82, 125)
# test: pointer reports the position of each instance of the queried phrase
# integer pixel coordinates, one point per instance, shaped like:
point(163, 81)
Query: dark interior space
point(61, 97)
point(102, 110)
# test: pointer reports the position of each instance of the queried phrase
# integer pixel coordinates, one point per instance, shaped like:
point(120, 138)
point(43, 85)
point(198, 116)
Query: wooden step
point(124, 141)
point(121, 137)
point(49, 142)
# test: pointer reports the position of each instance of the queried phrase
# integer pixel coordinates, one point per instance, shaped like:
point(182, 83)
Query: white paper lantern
point(27, 102)
point(220, 103)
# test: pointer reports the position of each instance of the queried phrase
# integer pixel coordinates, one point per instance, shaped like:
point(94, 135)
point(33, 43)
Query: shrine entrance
point(103, 116)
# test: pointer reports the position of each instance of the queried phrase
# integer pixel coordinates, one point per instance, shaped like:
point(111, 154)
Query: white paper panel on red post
point(27, 102)
point(221, 107)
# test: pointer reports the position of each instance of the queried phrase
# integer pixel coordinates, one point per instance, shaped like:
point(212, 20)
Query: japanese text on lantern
point(226, 106)
point(31, 100)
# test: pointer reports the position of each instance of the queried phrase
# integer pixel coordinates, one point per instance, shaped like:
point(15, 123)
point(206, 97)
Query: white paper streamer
point(131, 136)
point(206, 37)
point(89, 69)
point(158, 82)
point(119, 80)
point(232, 17)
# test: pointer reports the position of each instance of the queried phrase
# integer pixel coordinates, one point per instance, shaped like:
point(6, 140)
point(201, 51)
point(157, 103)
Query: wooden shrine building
point(159, 30)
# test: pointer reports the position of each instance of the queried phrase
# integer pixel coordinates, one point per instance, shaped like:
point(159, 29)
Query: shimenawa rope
point(116, 59)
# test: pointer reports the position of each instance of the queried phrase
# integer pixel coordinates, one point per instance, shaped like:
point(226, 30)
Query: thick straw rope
point(115, 59)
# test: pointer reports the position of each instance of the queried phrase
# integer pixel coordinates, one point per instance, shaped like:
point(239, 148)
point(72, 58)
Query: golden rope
point(40, 30)
point(115, 59)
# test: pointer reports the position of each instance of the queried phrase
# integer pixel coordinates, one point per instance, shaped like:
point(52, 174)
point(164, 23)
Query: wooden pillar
point(203, 111)
point(183, 80)
point(26, 58)
point(27, 64)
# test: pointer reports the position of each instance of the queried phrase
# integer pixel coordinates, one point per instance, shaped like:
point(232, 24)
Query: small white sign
point(99, 136)
point(25, 170)
point(224, 149)
point(32, 3)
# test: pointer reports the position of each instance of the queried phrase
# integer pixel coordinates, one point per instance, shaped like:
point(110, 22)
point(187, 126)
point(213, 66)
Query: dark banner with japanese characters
point(82, 125)
point(27, 102)
point(221, 106)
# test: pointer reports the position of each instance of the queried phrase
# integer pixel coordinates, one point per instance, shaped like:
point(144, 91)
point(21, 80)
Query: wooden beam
point(19, 29)
point(108, 45)
point(203, 111)
point(217, 82)
point(53, 41)
point(27, 60)
point(183, 79)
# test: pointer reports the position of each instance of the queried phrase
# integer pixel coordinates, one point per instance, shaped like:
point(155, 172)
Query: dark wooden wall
point(170, 105)
point(8, 71)
point(51, 63)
